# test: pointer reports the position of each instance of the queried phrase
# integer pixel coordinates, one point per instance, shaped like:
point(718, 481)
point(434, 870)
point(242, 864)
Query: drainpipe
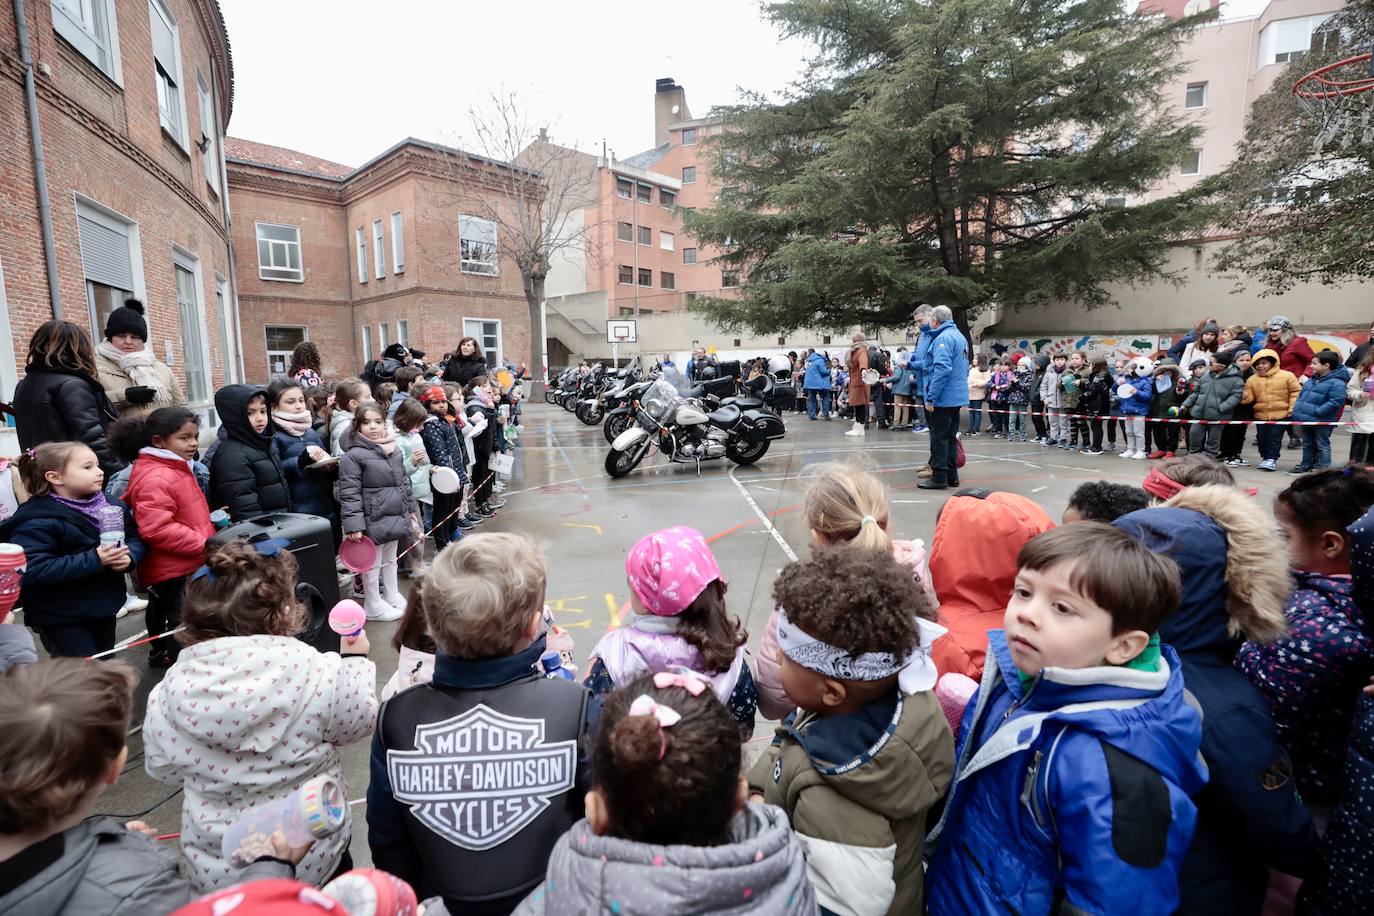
point(222, 165)
point(40, 168)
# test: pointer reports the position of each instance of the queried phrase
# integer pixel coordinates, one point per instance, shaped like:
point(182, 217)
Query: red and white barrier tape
point(1065, 413)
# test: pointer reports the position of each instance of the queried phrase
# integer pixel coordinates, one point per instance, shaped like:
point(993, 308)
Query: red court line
point(753, 521)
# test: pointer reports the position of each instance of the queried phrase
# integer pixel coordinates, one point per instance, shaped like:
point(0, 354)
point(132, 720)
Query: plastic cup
point(11, 575)
point(314, 811)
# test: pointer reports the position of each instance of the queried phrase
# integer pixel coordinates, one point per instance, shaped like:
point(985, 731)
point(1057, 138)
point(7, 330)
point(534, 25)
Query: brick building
point(401, 249)
point(132, 99)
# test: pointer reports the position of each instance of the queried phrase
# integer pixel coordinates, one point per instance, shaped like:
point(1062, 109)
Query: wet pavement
point(586, 522)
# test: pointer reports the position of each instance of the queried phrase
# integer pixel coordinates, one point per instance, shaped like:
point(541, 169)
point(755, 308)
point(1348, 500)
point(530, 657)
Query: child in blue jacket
point(1078, 755)
point(1321, 400)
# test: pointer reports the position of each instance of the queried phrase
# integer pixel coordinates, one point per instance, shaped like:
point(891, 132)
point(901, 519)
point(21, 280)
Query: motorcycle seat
point(743, 403)
point(726, 417)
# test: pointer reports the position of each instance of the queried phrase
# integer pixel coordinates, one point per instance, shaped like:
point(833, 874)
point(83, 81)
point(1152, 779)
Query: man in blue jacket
point(916, 363)
point(1321, 400)
point(944, 389)
point(816, 384)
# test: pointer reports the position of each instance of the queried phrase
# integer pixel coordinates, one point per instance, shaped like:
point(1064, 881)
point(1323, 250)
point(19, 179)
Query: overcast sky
point(345, 79)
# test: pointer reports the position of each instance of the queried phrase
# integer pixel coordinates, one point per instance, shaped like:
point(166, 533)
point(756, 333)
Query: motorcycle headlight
point(656, 408)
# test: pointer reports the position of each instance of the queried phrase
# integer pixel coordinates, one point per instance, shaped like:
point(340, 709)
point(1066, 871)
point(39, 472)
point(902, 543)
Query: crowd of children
point(1154, 707)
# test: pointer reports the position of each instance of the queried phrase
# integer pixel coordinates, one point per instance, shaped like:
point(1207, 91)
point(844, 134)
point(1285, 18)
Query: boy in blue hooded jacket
point(1078, 754)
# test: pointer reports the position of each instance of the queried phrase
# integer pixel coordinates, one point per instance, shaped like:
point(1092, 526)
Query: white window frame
point(693, 170)
point(666, 240)
point(383, 336)
point(379, 248)
point(403, 333)
point(469, 265)
point(191, 264)
point(494, 359)
point(367, 343)
point(173, 119)
point(1270, 50)
point(271, 248)
point(398, 243)
point(360, 243)
point(228, 333)
point(209, 134)
point(1197, 168)
point(116, 222)
point(1202, 86)
point(94, 33)
point(268, 351)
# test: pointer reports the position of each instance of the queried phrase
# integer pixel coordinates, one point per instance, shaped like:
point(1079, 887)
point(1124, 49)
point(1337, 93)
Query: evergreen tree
point(965, 152)
point(1304, 210)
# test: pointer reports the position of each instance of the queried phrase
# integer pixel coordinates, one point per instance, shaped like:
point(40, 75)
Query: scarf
point(915, 673)
point(387, 445)
point(295, 424)
point(138, 367)
point(89, 507)
point(1147, 660)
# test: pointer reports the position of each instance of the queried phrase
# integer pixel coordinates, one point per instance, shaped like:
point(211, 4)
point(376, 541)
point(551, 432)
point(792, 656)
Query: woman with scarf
point(134, 380)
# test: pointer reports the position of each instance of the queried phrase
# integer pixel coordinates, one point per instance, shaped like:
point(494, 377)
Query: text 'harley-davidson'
point(681, 428)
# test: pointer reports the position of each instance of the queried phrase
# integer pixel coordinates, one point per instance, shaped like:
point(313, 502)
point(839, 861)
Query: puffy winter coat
point(374, 492)
point(1322, 397)
point(340, 425)
point(1061, 808)
point(917, 361)
point(1161, 401)
point(773, 700)
point(973, 566)
point(1051, 394)
point(1097, 395)
point(1274, 392)
point(54, 405)
point(978, 380)
point(763, 862)
point(245, 476)
point(172, 515)
point(1361, 405)
point(311, 490)
point(463, 369)
point(116, 381)
point(1018, 392)
point(858, 801)
point(1295, 356)
point(1071, 385)
point(63, 580)
point(1250, 817)
point(416, 462)
point(944, 376)
point(817, 373)
point(1217, 396)
point(1312, 678)
point(1138, 404)
point(241, 721)
point(442, 445)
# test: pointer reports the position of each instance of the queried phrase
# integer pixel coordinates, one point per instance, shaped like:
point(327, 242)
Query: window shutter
point(105, 254)
point(164, 45)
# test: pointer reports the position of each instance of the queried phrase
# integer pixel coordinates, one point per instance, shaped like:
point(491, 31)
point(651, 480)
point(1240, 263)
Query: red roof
point(279, 157)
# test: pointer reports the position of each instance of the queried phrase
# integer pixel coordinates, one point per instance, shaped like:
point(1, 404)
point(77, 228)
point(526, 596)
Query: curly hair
point(245, 593)
point(305, 356)
point(1103, 501)
point(667, 786)
point(854, 598)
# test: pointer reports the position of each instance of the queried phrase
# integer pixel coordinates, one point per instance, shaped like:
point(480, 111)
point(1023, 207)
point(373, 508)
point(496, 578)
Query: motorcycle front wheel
point(746, 453)
point(569, 401)
point(615, 424)
point(620, 463)
point(590, 414)
point(549, 394)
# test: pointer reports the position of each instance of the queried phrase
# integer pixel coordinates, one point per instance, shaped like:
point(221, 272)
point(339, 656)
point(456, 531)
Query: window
point(209, 134)
point(627, 311)
point(689, 136)
point(383, 336)
point(646, 235)
point(729, 278)
point(228, 346)
point(690, 297)
point(360, 243)
point(1325, 39)
point(824, 340)
point(667, 198)
point(89, 26)
point(367, 343)
point(1195, 96)
point(644, 193)
point(487, 331)
point(689, 174)
point(379, 248)
point(477, 241)
point(782, 341)
point(403, 332)
point(624, 187)
point(625, 232)
point(167, 63)
point(279, 252)
point(280, 342)
point(626, 275)
point(665, 241)
point(736, 343)
point(192, 336)
point(689, 256)
point(1290, 39)
point(667, 280)
point(107, 260)
point(646, 277)
point(1192, 163)
point(398, 243)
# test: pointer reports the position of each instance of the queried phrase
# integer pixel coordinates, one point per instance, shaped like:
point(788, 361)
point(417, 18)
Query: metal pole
point(544, 342)
point(40, 168)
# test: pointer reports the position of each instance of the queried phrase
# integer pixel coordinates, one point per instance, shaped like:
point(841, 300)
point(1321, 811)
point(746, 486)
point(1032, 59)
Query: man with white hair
point(945, 392)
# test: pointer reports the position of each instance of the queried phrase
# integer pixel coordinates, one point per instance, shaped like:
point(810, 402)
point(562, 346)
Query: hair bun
point(637, 742)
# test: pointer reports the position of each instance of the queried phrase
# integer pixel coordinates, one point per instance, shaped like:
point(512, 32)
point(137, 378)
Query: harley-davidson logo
point(479, 778)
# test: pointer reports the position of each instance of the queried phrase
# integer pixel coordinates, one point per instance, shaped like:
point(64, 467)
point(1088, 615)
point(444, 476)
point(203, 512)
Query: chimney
point(670, 107)
point(543, 135)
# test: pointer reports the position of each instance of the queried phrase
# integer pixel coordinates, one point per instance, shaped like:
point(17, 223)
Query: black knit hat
point(1226, 358)
point(128, 319)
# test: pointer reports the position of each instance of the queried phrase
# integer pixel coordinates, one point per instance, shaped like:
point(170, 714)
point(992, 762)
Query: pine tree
point(965, 152)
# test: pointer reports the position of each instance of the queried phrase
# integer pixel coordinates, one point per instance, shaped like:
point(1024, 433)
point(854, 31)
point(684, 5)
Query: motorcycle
point(591, 410)
point(683, 429)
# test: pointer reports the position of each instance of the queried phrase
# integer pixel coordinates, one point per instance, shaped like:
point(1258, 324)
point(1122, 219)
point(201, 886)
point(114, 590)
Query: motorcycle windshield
point(658, 401)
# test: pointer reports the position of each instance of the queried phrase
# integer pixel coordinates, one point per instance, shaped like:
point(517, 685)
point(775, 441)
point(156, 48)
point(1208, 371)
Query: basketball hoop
point(1334, 99)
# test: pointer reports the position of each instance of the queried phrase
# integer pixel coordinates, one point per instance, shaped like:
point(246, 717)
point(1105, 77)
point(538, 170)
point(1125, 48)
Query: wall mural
point(1130, 346)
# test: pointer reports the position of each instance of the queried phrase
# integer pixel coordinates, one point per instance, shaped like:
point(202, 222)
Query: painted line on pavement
point(763, 517)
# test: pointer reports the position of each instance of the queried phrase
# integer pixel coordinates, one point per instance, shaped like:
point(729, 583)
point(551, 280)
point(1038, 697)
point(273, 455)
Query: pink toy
point(358, 556)
point(954, 690)
point(11, 572)
point(347, 618)
point(373, 892)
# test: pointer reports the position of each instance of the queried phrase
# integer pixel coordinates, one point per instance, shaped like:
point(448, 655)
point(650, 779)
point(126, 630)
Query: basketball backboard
point(620, 330)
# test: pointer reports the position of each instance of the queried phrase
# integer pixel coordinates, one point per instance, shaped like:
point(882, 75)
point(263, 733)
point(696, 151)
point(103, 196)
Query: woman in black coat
point(60, 398)
point(467, 362)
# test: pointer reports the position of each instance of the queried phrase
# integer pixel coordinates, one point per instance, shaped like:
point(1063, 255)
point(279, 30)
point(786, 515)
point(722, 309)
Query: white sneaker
point(381, 610)
point(1138, 456)
point(132, 603)
point(856, 430)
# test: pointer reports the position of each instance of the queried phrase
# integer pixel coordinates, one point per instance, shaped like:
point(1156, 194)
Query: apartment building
point(132, 98)
point(402, 249)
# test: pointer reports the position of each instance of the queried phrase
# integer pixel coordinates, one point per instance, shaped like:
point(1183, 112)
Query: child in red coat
point(164, 496)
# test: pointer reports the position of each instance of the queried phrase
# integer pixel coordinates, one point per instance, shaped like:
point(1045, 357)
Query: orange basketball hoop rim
point(1318, 85)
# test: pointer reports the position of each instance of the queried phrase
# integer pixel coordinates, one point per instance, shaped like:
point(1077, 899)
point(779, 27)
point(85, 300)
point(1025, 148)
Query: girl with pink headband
point(678, 622)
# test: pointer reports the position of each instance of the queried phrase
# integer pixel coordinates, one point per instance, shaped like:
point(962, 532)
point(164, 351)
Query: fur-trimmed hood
point(1235, 569)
